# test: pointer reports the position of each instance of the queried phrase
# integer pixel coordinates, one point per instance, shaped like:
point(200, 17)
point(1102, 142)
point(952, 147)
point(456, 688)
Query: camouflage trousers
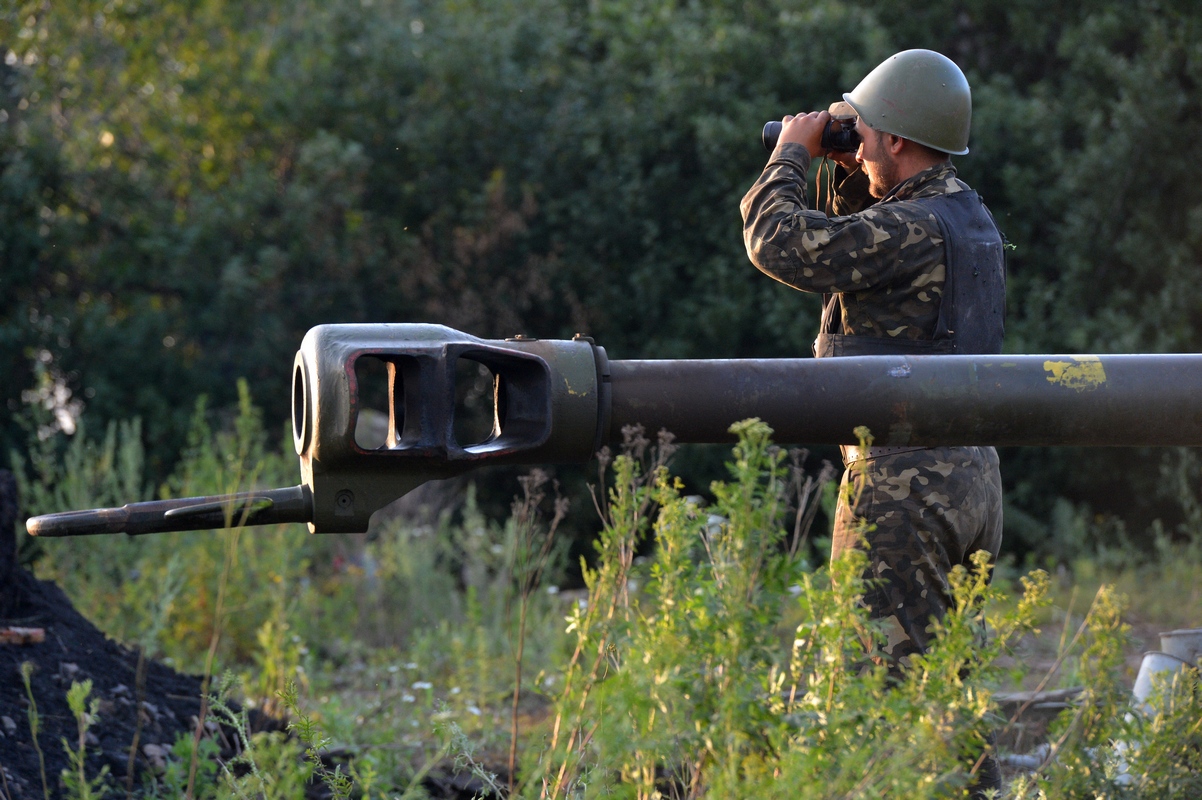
point(929, 510)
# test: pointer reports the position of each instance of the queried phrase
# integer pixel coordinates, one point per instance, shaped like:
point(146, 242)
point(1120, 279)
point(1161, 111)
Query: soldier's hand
point(844, 159)
point(806, 130)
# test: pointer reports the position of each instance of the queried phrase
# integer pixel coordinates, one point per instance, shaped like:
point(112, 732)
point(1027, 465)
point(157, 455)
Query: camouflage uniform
point(884, 265)
point(883, 269)
point(930, 510)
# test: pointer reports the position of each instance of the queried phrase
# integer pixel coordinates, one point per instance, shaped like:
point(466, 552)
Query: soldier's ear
point(894, 143)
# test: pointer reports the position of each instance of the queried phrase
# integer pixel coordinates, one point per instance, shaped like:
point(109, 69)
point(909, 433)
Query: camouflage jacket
point(885, 263)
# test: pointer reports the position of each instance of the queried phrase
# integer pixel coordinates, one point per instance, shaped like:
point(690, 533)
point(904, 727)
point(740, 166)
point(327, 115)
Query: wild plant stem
point(210, 656)
point(35, 724)
point(139, 694)
point(82, 724)
point(1060, 656)
point(517, 693)
point(529, 573)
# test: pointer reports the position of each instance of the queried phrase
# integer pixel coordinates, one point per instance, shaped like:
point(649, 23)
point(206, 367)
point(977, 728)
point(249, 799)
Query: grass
point(34, 724)
point(721, 664)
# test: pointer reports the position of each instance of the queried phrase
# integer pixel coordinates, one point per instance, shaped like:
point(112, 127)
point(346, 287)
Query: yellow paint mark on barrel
point(1081, 374)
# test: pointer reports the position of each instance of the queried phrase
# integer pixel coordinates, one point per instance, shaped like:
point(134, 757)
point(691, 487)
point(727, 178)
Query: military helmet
point(918, 95)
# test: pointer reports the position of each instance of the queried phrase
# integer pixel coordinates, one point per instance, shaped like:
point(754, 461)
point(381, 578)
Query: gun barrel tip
point(72, 523)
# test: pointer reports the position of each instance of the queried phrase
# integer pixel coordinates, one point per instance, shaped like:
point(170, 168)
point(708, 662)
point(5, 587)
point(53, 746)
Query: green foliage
point(719, 663)
point(265, 765)
point(173, 782)
point(281, 772)
point(227, 182)
point(1100, 715)
point(309, 733)
point(186, 187)
point(1166, 752)
point(723, 610)
point(715, 679)
point(151, 580)
point(81, 473)
point(31, 715)
point(75, 780)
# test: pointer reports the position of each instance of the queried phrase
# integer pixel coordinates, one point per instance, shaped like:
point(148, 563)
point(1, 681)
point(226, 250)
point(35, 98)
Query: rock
point(156, 756)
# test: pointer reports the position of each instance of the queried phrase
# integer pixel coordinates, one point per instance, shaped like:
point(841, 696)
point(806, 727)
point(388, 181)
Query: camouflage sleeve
point(805, 248)
point(851, 192)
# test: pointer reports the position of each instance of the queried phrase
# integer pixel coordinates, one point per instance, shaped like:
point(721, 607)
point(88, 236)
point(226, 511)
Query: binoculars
point(839, 134)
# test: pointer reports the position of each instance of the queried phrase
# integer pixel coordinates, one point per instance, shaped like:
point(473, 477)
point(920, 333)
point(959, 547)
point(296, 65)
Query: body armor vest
point(972, 307)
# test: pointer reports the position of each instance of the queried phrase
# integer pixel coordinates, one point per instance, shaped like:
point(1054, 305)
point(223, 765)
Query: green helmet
point(918, 95)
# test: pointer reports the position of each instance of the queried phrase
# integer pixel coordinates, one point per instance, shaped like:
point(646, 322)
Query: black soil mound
point(136, 710)
point(143, 709)
point(154, 710)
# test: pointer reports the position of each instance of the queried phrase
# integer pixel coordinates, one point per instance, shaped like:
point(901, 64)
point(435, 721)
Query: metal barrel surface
point(556, 401)
point(1119, 400)
point(267, 507)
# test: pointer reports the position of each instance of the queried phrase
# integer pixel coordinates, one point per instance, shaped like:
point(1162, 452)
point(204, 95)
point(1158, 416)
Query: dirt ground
point(141, 711)
point(154, 710)
point(162, 706)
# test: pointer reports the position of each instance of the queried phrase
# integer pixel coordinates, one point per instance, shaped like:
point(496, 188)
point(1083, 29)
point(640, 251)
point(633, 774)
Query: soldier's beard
point(883, 175)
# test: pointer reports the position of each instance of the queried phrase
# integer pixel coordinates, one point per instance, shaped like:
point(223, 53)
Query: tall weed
point(736, 673)
point(76, 781)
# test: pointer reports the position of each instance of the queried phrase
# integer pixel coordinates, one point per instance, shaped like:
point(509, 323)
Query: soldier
point(919, 271)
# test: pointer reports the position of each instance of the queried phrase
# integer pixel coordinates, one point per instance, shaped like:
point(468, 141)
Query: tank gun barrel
point(267, 507)
point(1116, 400)
point(559, 401)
